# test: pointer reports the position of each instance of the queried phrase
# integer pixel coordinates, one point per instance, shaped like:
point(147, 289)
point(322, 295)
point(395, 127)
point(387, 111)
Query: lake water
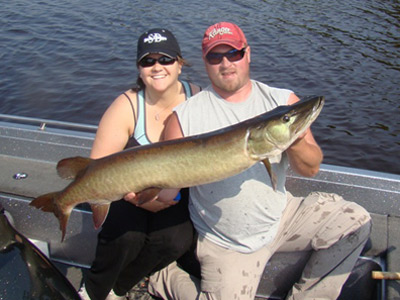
point(67, 60)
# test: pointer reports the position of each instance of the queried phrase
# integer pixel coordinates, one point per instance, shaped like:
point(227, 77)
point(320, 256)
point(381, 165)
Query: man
point(242, 221)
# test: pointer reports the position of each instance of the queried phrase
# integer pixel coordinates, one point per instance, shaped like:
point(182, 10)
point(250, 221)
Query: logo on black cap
point(158, 40)
point(154, 38)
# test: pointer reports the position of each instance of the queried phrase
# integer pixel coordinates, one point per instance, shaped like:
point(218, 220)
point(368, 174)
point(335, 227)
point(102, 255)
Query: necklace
point(157, 115)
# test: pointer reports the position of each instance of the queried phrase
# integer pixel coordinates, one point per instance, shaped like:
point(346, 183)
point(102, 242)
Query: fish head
point(277, 129)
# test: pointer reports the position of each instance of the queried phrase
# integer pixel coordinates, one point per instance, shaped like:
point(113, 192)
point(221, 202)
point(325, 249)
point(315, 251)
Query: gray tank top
point(242, 212)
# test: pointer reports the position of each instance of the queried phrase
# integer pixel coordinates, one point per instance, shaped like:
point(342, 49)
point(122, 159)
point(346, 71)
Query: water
point(67, 60)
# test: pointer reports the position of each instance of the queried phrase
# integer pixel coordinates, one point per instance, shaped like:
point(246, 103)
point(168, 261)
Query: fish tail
point(47, 203)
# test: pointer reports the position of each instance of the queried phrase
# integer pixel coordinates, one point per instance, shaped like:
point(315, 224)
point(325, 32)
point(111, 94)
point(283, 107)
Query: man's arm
point(173, 129)
point(305, 156)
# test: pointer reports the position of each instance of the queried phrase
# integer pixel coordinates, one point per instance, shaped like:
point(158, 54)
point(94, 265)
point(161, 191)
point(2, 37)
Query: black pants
point(134, 242)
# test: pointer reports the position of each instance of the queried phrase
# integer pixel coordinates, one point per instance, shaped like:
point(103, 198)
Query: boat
point(30, 149)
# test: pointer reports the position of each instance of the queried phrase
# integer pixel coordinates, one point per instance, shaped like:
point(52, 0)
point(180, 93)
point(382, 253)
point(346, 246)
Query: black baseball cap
point(160, 41)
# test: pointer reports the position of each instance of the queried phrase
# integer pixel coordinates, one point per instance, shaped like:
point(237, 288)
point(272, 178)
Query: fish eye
point(285, 118)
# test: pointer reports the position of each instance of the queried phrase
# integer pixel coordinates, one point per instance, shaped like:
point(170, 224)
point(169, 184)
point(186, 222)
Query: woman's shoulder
point(195, 88)
point(120, 110)
point(129, 94)
point(125, 100)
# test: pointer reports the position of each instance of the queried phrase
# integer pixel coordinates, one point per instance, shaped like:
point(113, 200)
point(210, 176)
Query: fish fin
point(271, 174)
point(147, 195)
point(70, 168)
point(100, 212)
point(63, 219)
point(47, 203)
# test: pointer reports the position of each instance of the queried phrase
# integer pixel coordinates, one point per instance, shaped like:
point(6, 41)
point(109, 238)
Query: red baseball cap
point(223, 33)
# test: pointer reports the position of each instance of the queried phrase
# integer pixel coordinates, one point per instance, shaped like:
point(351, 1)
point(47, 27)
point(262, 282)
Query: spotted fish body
point(179, 163)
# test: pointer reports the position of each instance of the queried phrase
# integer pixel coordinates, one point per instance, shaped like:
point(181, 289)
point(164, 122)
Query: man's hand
point(159, 202)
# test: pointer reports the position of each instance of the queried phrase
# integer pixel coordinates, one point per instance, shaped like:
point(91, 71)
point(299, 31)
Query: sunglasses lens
point(163, 60)
point(233, 55)
point(147, 62)
point(214, 58)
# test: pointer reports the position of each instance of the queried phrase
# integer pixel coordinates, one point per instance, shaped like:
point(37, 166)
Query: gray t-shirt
point(242, 212)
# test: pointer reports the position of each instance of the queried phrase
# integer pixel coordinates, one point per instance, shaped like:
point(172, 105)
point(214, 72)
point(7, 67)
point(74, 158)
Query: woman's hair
point(139, 85)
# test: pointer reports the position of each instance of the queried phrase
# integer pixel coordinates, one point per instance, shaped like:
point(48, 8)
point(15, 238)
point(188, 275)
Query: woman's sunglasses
point(163, 60)
point(214, 58)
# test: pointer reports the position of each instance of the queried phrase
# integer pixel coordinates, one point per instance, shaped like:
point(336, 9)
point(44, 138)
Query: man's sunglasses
point(214, 58)
point(163, 60)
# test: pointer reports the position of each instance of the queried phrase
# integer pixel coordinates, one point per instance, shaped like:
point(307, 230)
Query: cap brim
point(235, 44)
point(156, 52)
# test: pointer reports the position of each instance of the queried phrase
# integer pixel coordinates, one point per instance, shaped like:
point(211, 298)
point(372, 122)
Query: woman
point(135, 241)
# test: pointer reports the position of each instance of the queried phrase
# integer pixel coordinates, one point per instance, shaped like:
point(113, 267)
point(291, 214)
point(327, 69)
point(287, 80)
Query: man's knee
point(337, 207)
point(357, 217)
point(339, 219)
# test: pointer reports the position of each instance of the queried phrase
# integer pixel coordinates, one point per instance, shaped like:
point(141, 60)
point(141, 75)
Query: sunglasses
point(163, 60)
point(214, 58)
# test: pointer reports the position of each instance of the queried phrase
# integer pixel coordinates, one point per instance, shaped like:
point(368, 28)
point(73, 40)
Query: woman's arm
point(115, 127)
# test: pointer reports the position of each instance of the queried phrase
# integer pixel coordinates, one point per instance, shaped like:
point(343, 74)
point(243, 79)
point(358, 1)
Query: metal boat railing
point(42, 124)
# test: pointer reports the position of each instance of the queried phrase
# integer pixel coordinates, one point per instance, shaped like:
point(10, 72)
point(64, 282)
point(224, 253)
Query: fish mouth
point(305, 115)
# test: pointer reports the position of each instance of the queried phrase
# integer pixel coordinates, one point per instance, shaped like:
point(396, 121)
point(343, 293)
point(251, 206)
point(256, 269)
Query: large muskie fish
point(180, 163)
